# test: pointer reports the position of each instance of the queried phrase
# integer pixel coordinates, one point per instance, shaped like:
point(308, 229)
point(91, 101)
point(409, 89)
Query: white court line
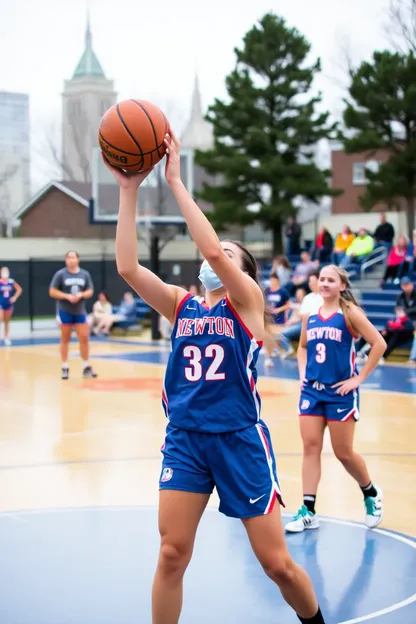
point(362, 618)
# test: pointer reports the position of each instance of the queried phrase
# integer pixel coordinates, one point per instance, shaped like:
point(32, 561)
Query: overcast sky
point(152, 49)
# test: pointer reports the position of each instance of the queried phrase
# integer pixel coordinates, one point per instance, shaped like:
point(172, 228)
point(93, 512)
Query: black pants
point(394, 338)
point(391, 272)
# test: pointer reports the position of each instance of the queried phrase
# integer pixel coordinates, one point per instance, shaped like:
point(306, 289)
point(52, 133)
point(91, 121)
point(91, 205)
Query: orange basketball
point(131, 135)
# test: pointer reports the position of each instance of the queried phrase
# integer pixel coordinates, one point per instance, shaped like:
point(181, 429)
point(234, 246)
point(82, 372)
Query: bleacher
point(142, 316)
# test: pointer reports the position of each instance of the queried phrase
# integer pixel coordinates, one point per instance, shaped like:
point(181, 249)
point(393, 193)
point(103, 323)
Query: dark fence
point(35, 275)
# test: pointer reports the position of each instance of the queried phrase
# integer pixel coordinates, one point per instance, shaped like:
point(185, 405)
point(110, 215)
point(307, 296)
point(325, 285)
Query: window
point(359, 177)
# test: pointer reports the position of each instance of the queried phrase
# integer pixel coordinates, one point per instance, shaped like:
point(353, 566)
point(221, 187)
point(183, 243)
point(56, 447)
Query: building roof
point(89, 65)
point(198, 131)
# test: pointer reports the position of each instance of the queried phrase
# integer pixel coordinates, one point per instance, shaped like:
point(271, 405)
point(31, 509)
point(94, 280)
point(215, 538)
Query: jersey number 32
point(194, 372)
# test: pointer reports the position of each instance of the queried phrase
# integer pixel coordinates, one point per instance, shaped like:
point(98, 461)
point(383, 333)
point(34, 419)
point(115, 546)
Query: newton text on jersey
point(208, 324)
point(328, 333)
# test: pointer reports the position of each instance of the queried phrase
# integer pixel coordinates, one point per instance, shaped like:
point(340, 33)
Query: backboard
point(156, 203)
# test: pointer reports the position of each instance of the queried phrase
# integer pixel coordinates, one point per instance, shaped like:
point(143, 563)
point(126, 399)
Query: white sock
point(85, 364)
point(65, 365)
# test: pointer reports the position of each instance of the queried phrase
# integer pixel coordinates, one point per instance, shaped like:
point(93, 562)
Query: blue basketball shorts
point(66, 318)
point(6, 306)
point(317, 399)
point(240, 464)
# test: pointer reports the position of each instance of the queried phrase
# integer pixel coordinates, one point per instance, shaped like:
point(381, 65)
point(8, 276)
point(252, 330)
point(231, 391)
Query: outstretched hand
point(126, 179)
point(173, 161)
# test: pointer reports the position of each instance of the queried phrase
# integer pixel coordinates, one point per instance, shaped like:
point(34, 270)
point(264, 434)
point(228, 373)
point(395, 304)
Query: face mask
point(208, 277)
point(5, 274)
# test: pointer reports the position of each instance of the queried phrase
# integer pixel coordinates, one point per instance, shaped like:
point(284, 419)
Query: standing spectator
point(384, 233)
point(359, 249)
point(277, 302)
point(395, 259)
point(71, 286)
point(323, 245)
point(293, 233)
point(302, 271)
point(342, 242)
point(281, 266)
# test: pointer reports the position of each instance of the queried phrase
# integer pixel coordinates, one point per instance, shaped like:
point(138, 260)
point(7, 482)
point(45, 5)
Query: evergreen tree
point(265, 134)
point(382, 116)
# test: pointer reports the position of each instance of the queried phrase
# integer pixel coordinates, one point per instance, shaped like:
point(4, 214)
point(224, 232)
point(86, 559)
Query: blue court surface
point(96, 565)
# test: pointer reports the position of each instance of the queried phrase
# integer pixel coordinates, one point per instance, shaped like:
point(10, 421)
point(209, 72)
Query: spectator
point(397, 332)
point(125, 312)
point(384, 233)
point(359, 249)
point(281, 266)
point(323, 245)
point(293, 325)
point(102, 307)
point(312, 302)
point(395, 259)
point(302, 271)
point(194, 290)
point(342, 242)
point(409, 265)
point(293, 233)
point(407, 301)
point(277, 302)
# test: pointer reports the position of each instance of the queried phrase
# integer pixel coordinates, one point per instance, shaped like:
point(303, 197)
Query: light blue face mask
point(208, 277)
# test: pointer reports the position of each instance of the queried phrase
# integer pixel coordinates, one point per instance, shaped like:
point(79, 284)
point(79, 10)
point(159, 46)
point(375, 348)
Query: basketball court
point(79, 469)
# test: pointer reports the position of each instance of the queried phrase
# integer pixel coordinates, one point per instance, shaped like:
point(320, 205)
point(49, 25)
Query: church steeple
point(198, 131)
point(89, 65)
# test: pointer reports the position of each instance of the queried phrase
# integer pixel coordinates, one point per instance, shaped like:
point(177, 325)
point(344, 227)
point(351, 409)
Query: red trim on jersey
point(329, 317)
point(204, 304)
point(182, 302)
point(240, 320)
point(350, 331)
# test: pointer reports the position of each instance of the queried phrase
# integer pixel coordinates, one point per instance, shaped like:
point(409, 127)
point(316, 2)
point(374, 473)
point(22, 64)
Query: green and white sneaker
point(304, 519)
point(374, 509)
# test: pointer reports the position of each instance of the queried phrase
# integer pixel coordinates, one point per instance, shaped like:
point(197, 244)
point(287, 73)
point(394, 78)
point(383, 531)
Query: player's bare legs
point(179, 516)
point(312, 431)
point(83, 334)
point(7, 314)
point(267, 540)
point(66, 331)
point(342, 437)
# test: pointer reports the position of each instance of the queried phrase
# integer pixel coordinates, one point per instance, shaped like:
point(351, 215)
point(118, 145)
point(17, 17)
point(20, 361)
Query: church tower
point(85, 99)
point(198, 132)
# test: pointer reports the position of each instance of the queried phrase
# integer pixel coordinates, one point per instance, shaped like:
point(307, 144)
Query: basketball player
point(329, 395)
point(10, 291)
point(71, 286)
point(214, 436)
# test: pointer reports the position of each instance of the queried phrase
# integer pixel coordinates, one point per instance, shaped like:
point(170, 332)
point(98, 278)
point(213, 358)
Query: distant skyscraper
point(14, 155)
point(86, 97)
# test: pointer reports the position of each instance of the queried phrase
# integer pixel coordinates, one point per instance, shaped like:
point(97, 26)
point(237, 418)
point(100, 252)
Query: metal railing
point(376, 256)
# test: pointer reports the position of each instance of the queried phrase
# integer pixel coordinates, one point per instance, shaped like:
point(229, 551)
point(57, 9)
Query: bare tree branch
point(400, 25)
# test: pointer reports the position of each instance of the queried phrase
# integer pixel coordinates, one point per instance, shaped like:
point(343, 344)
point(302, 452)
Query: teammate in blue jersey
point(10, 291)
point(214, 437)
point(329, 395)
point(278, 302)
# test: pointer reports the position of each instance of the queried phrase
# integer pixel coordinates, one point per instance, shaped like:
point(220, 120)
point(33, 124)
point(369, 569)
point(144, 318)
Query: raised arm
point(239, 285)
point(160, 296)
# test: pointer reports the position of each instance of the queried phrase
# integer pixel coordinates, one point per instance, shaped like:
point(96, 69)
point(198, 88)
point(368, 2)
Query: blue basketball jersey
point(210, 380)
point(7, 290)
point(330, 349)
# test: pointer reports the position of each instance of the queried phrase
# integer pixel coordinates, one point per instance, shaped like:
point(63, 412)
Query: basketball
point(131, 135)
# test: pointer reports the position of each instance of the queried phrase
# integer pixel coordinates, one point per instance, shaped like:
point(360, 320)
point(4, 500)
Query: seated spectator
point(323, 246)
point(342, 242)
point(100, 308)
point(384, 233)
point(281, 266)
point(397, 332)
point(407, 301)
point(302, 271)
point(277, 302)
point(359, 249)
point(408, 267)
point(395, 259)
point(125, 312)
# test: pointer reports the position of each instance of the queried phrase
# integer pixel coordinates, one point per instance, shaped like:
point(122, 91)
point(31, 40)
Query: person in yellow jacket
point(360, 247)
point(342, 242)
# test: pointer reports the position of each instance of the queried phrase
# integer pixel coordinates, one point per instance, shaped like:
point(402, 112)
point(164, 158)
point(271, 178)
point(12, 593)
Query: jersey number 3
point(320, 353)
point(194, 371)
